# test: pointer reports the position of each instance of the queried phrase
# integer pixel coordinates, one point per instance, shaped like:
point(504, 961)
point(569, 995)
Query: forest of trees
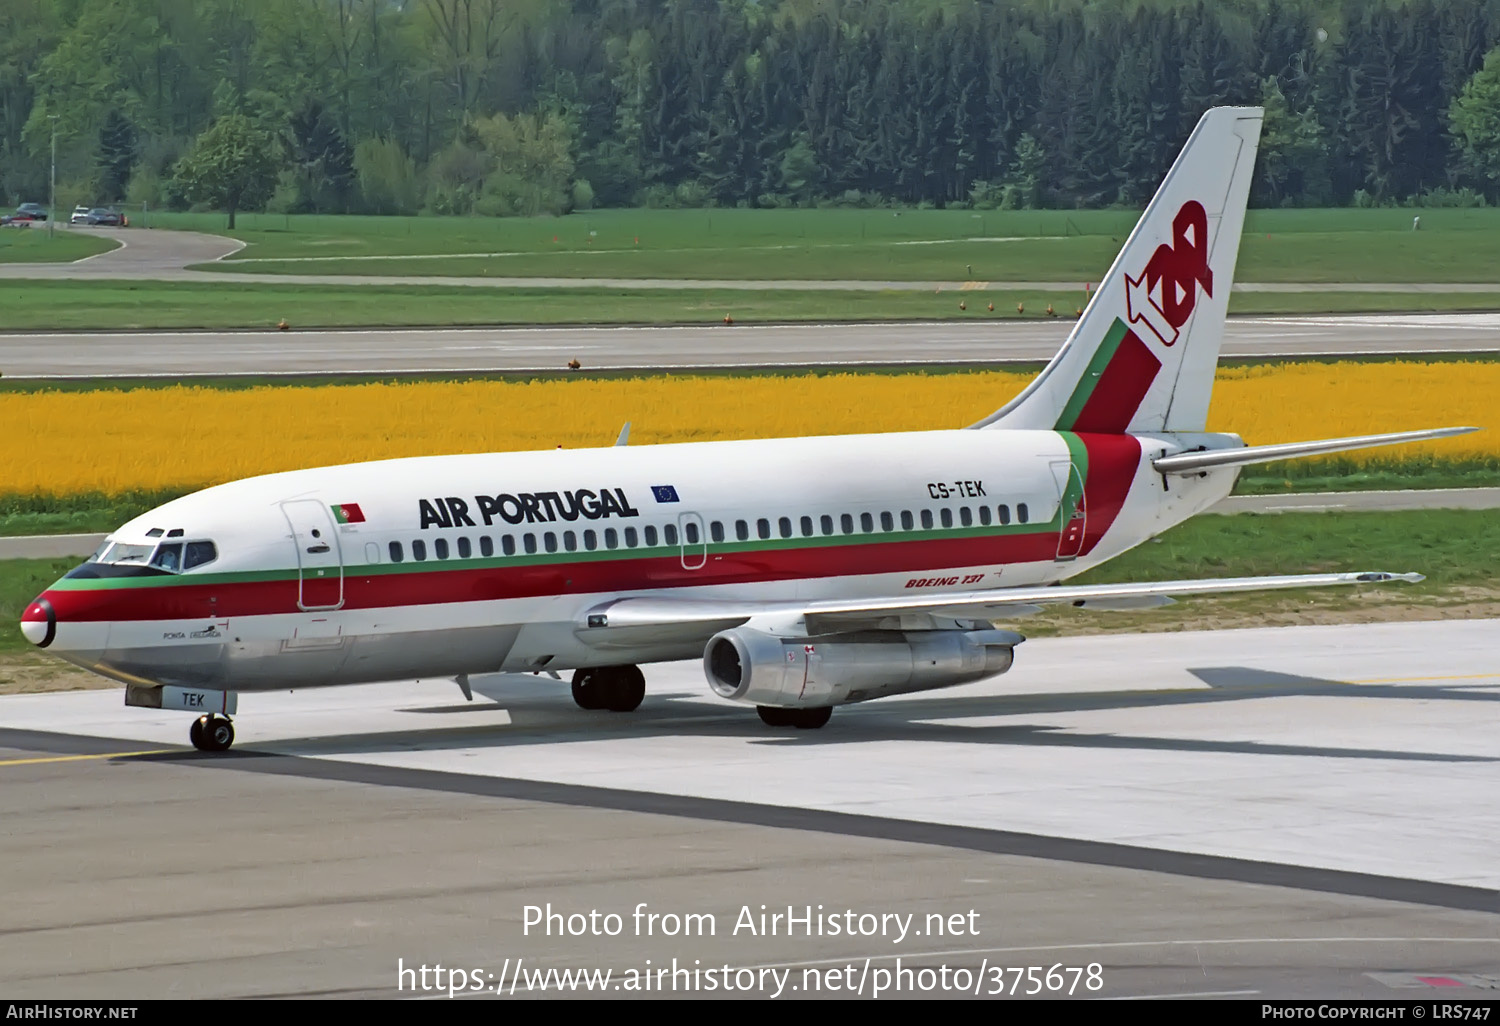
point(525, 106)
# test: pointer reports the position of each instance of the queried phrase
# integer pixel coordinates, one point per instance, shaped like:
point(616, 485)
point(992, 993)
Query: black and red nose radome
point(39, 623)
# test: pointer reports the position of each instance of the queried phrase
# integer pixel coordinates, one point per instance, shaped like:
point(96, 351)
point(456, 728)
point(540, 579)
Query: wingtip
point(1379, 576)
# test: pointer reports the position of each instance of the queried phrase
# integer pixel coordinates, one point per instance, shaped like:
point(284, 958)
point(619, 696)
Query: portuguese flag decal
point(348, 513)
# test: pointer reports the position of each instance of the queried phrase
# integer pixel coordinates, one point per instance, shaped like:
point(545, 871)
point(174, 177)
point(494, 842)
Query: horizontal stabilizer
point(1197, 462)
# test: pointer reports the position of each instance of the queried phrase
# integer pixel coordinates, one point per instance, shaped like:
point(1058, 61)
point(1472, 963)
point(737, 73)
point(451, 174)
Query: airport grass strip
point(1339, 245)
point(38, 305)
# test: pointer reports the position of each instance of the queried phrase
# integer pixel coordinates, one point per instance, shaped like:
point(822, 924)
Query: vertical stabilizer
point(1142, 356)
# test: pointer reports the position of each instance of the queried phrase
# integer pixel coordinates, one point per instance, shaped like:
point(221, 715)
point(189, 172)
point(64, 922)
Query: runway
point(1294, 812)
point(462, 350)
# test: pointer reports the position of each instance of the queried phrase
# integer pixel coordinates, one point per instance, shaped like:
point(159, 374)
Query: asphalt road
point(382, 351)
point(1110, 801)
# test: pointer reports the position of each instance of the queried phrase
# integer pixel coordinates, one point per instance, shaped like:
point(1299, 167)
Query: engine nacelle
point(748, 665)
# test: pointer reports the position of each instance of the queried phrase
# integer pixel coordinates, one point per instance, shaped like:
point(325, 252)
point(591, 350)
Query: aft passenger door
point(320, 564)
point(1072, 510)
point(694, 543)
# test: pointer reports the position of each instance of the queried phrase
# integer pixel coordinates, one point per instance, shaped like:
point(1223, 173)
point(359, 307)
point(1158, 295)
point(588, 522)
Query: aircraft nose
point(39, 623)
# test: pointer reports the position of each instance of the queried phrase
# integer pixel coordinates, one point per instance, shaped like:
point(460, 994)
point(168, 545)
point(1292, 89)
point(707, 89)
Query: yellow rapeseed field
point(65, 443)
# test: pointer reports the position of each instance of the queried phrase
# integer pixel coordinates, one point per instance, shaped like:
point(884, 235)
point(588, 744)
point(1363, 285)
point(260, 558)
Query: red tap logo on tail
point(1166, 291)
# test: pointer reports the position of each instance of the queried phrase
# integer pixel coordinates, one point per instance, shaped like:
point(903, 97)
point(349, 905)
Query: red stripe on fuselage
point(1120, 390)
point(453, 583)
point(1113, 461)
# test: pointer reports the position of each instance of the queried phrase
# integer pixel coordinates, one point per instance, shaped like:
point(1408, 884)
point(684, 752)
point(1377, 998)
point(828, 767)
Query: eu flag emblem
point(664, 493)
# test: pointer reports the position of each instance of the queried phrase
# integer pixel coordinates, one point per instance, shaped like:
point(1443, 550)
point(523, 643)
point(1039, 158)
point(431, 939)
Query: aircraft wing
point(629, 621)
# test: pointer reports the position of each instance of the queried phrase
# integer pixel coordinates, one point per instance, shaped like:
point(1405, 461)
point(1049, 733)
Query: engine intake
point(747, 665)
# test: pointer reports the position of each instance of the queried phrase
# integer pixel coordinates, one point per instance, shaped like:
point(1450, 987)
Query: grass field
point(32, 245)
point(119, 305)
point(1459, 551)
point(924, 245)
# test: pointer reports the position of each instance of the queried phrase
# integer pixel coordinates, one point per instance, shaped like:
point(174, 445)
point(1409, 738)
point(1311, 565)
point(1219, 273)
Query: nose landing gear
point(212, 733)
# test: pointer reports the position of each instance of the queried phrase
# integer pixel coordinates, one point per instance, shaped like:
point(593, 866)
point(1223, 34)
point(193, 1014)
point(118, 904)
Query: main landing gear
point(802, 719)
point(212, 733)
point(616, 688)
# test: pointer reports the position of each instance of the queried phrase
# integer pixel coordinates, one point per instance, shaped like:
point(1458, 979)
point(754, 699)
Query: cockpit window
point(168, 557)
point(124, 552)
point(196, 553)
point(171, 557)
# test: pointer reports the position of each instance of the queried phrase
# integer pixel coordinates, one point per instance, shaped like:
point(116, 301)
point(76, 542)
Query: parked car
point(107, 216)
point(14, 221)
point(80, 216)
point(32, 212)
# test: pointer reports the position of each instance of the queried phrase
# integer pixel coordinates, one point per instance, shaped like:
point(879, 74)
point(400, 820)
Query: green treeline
point(526, 106)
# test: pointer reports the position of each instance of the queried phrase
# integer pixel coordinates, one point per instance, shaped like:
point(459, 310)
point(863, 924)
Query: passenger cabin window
point(508, 544)
point(785, 525)
point(690, 531)
point(846, 522)
point(570, 541)
point(611, 538)
point(590, 540)
point(486, 546)
point(763, 528)
point(440, 548)
point(807, 527)
point(630, 538)
point(887, 523)
point(1021, 515)
point(866, 523)
point(669, 534)
point(716, 531)
point(927, 520)
point(649, 534)
point(906, 524)
point(1003, 512)
point(419, 550)
point(395, 550)
point(528, 542)
point(984, 515)
point(826, 523)
point(742, 530)
point(965, 516)
point(465, 550)
point(550, 540)
point(947, 516)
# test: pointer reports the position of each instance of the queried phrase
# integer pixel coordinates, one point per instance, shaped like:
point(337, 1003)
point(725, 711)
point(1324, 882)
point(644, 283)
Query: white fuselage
point(480, 563)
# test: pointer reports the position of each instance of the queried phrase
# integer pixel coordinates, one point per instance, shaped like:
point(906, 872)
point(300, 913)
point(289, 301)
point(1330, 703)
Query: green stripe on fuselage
point(1080, 457)
point(1073, 493)
point(1095, 370)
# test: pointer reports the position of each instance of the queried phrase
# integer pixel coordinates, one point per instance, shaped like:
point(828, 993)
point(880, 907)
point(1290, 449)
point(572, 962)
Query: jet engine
point(749, 665)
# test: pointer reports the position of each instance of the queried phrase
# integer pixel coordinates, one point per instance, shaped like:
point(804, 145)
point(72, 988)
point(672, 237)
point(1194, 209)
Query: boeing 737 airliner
point(806, 573)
